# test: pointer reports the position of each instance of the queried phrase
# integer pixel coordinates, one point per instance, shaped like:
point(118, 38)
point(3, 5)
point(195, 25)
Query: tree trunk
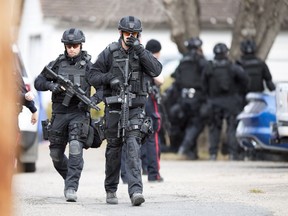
point(8, 112)
point(259, 20)
point(184, 20)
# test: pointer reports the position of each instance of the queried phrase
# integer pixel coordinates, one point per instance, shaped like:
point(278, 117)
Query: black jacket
point(101, 71)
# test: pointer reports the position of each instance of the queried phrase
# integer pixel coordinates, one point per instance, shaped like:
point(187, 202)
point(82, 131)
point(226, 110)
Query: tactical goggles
point(69, 46)
point(127, 34)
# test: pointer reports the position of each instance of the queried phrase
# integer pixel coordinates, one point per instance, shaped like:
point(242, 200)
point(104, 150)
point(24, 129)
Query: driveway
point(189, 188)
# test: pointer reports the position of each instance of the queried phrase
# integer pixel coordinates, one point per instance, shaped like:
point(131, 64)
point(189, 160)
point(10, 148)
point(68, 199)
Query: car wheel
point(29, 167)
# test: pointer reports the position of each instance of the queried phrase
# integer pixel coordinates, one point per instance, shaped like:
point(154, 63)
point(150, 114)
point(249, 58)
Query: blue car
point(254, 131)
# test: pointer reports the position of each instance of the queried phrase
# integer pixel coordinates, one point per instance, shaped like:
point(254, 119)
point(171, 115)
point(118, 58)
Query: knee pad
point(56, 155)
point(75, 147)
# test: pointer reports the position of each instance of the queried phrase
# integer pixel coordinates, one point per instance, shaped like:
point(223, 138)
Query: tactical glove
point(116, 84)
point(135, 43)
point(82, 106)
point(55, 88)
point(95, 100)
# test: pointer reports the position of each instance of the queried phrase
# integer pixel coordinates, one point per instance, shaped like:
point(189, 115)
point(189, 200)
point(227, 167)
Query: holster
point(97, 131)
point(45, 128)
point(99, 126)
point(146, 128)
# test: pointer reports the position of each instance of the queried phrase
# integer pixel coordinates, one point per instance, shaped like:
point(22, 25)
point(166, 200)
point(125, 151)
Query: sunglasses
point(69, 46)
point(127, 34)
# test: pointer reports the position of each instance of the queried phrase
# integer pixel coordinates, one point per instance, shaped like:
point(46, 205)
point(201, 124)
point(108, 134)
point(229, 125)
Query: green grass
point(256, 191)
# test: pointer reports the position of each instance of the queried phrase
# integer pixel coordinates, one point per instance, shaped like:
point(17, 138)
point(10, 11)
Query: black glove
point(135, 43)
point(95, 100)
point(55, 88)
point(82, 106)
point(116, 84)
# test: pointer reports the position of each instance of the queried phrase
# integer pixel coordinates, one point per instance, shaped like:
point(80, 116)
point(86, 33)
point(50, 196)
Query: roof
point(105, 14)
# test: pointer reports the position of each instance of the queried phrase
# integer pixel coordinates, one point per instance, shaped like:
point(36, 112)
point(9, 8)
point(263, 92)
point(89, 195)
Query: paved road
point(190, 188)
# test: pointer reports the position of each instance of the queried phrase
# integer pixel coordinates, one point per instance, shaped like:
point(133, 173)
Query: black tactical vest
point(75, 73)
point(254, 69)
point(221, 78)
point(136, 79)
point(188, 73)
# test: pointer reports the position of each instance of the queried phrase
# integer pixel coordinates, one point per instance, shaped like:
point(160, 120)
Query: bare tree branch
point(183, 16)
point(259, 20)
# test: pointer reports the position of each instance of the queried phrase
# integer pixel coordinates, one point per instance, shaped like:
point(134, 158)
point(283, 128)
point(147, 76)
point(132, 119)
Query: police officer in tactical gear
point(150, 150)
point(256, 68)
point(68, 123)
point(188, 82)
point(222, 81)
point(108, 71)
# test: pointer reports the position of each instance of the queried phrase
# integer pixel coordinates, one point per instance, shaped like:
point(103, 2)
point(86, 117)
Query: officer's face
point(73, 49)
point(125, 35)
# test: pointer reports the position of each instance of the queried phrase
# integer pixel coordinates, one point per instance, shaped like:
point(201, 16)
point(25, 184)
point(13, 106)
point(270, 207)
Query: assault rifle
point(71, 89)
point(124, 98)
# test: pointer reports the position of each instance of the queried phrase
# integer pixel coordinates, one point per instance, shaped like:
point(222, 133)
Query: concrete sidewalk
point(189, 188)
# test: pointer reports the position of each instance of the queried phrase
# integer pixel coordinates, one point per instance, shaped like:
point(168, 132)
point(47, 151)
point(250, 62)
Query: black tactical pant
point(189, 143)
point(64, 128)
point(215, 127)
point(131, 151)
point(194, 124)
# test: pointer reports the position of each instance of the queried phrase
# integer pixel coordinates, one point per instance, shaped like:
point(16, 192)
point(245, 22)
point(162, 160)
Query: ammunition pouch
point(79, 131)
point(58, 137)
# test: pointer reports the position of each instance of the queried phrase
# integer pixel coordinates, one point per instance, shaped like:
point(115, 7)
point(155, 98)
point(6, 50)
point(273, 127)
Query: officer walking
point(68, 123)
point(222, 81)
point(188, 79)
point(110, 71)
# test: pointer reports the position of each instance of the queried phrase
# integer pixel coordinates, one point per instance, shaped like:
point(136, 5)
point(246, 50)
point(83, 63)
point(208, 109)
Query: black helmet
point(130, 24)
point(194, 42)
point(73, 36)
point(248, 46)
point(220, 48)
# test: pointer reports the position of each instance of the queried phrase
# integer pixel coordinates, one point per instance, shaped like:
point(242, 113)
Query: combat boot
point(137, 199)
point(70, 195)
point(111, 198)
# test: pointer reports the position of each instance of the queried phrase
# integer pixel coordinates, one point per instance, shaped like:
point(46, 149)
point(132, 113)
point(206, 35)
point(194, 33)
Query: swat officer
point(109, 71)
point(188, 81)
point(256, 68)
point(222, 80)
point(68, 123)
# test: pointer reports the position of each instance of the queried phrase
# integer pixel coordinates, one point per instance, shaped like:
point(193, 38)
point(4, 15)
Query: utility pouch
point(99, 126)
point(45, 128)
